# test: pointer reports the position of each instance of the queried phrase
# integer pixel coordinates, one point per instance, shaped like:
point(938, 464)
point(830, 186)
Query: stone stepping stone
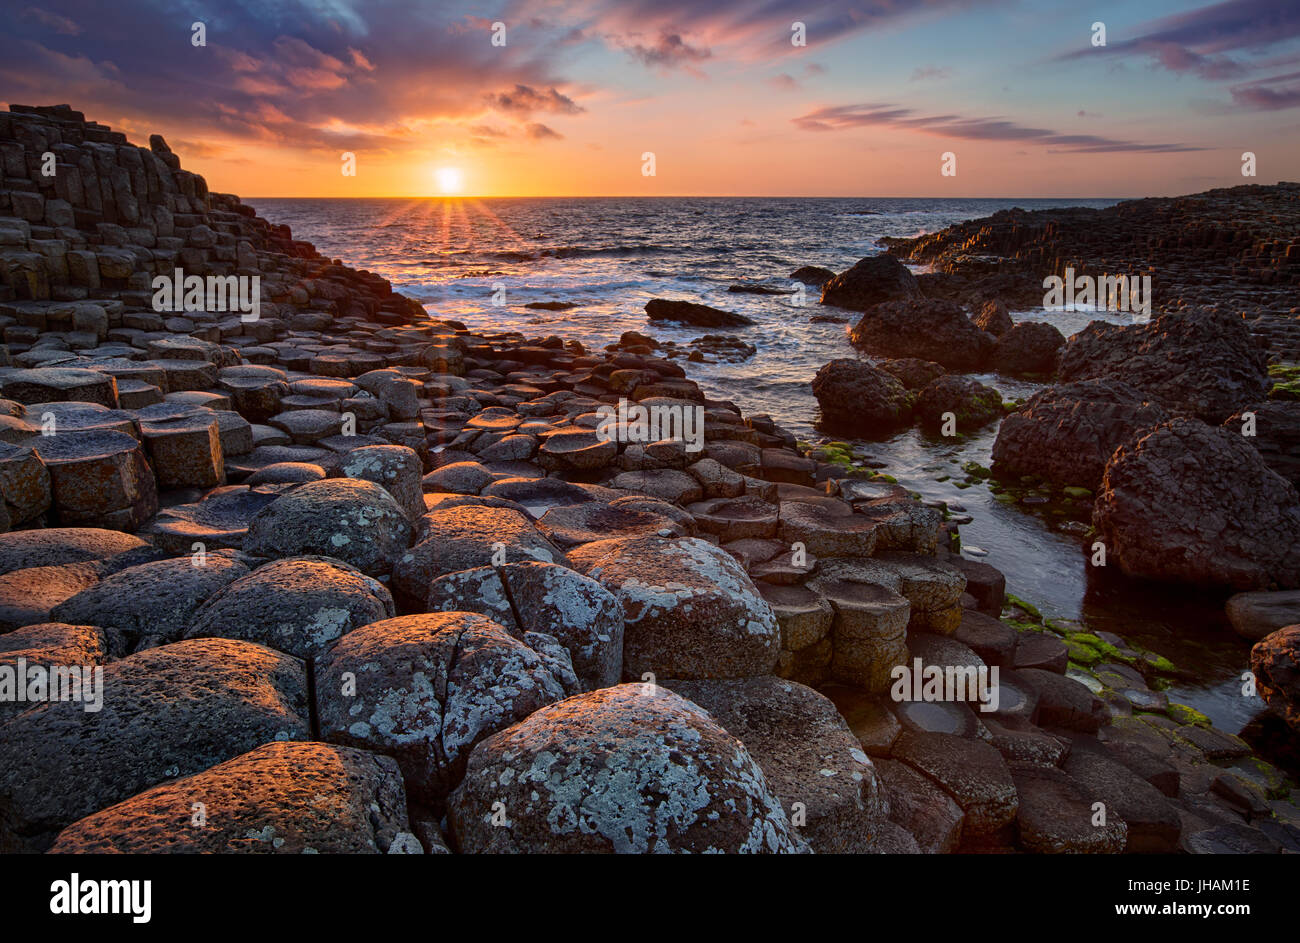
point(575, 450)
point(154, 600)
point(868, 715)
point(307, 426)
point(28, 595)
point(24, 483)
point(59, 384)
point(395, 468)
point(56, 546)
point(136, 394)
point(255, 390)
point(807, 753)
point(579, 524)
point(184, 446)
point(458, 478)
point(166, 712)
point(539, 495)
point(1041, 650)
point(1257, 615)
point(355, 521)
point(204, 398)
point(1062, 701)
point(668, 484)
point(57, 417)
point(459, 676)
point(184, 375)
point(281, 798)
point(219, 521)
point(239, 468)
point(805, 617)
point(1056, 816)
point(685, 784)
point(280, 473)
point(938, 717)
point(689, 609)
point(970, 771)
point(1153, 823)
point(717, 479)
point(48, 645)
point(299, 606)
point(99, 479)
point(869, 632)
point(734, 518)
point(988, 637)
point(921, 807)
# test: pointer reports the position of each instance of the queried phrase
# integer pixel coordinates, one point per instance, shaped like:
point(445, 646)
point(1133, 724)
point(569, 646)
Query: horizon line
point(685, 196)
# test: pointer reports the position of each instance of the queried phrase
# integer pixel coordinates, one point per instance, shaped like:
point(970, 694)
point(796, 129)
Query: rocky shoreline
point(361, 580)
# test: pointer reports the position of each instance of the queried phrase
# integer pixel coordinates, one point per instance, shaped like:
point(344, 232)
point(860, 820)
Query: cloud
point(1198, 42)
point(845, 117)
point(1271, 94)
point(784, 82)
point(540, 132)
point(929, 72)
point(525, 100)
point(669, 50)
point(60, 24)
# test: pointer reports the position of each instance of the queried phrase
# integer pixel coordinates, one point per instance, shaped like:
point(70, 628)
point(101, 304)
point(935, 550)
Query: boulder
point(425, 689)
point(927, 328)
point(972, 404)
point(1030, 348)
point(355, 521)
point(689, 609)
point(1276, 663)
point(1276, 428)
point(54, 546)
point(856, 396)
point(281, 798)
point(166, 712)
point(688, 312)
point(870, 281)
point(669, 778)
point(1196, 503)
point(1067, 433)
point(1256, 615)
point(395, 468)
point(913, 373)
point(1194, 363)
point(297, 606)
point(991, 316)
point(813, 762)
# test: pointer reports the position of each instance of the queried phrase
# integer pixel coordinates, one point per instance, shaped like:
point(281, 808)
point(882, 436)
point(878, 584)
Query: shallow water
point(611, 255)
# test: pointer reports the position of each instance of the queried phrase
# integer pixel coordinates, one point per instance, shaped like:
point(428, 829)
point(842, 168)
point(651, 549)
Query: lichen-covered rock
point(689, 609)
point(396, 468)
point(355, 521)
point(282, 798)
point(628, 769)
point(1196, 503)
point(1068, 433)
point(218, 521)
point(166, 712)
point(54, 546)
point(298, 606)
point(812, 761)
point(425, 689)
point(154, 600)
point(971, 404)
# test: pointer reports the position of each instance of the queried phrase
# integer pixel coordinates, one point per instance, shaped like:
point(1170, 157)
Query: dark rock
point(854, 395)
point(929, 329)
point(1276, 663)
point(971, 403)
point(1028, 348)
point(688, 312)
point(872, 280)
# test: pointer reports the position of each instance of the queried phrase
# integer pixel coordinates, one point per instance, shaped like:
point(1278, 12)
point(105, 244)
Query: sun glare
point(449, 179)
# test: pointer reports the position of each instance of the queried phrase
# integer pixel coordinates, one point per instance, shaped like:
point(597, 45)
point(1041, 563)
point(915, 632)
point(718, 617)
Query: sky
point(553, 98)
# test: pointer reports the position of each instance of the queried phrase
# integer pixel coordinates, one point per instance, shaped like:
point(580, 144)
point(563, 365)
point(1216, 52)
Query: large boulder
point(689, 609)
point(872, 280)
point(931, 329)
point(665, 777)
point(298, 606)
point(1068, 433)
point(1028, 348)
point(356, 521)
point(1276, 663)
point(1276, 433)
point(812, 760)
point(1196, 503)
point(1196, 363)
point(282, 798)
point(425, 689)
point(856, 396)
point(1256, 615)
point(166, 712)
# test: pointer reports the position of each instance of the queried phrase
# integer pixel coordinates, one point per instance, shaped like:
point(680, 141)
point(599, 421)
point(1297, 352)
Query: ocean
point(609, 256)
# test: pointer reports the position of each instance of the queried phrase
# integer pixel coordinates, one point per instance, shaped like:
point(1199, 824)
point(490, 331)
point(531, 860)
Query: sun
point(449, 179)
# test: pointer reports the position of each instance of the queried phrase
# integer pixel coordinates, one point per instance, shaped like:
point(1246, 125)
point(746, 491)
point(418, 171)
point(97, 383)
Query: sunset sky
point(720, 95)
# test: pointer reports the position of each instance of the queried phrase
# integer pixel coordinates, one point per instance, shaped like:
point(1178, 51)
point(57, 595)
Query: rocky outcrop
point(1275, 425)
point(928, 329)
point(1196, 503)
point(1067, 433)
point(1030, 348)
point(971, 404)
point(872, 280)
point(1196, 363)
